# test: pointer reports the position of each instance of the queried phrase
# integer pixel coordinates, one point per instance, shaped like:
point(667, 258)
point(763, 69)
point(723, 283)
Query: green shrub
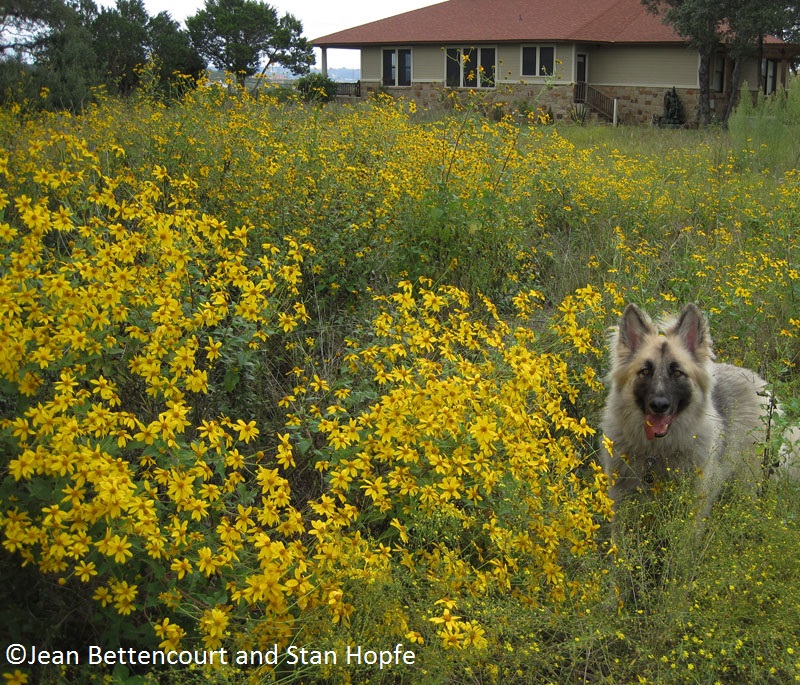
point(316, 88)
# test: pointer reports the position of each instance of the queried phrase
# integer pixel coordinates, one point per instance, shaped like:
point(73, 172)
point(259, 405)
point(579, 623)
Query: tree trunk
point(734, 88)
point(704, 77)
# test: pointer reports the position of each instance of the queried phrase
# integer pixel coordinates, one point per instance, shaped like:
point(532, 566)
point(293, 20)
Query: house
point(605, 53)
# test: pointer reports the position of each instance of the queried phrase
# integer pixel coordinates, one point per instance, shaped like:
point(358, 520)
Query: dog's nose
point(659, 405)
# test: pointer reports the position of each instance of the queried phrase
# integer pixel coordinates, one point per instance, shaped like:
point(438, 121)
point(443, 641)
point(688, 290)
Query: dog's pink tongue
point(657, 426)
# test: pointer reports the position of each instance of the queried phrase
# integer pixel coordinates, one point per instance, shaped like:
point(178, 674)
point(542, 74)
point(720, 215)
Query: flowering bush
point(281, 375)
point(146, 344)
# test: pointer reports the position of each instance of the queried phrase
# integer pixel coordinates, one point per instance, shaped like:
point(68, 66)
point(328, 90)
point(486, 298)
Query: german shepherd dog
point(672, 409)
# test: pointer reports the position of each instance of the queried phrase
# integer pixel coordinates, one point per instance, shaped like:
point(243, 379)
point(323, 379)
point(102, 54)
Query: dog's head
point(664, 368)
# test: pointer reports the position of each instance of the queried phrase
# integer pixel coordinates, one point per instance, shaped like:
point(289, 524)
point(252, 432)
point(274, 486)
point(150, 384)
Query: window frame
point(457, 67)
point(397, 67)
point(538, 47)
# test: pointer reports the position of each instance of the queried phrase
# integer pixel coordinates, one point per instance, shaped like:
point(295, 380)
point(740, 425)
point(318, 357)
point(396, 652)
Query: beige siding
point(607, 65)
point(510, 63)
point(643, 66)
point(427, 64)
point(750, 73)
point(507, 63)
point(371, 64)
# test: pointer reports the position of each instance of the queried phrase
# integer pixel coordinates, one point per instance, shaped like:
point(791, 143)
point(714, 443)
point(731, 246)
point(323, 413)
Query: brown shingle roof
point(601, 21)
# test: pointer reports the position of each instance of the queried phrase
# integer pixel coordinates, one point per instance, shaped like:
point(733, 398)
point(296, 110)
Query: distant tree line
point(65, 48)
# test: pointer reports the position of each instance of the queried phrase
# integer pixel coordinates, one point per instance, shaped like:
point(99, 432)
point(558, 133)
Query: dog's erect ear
point(633, 327)
point(691, 327)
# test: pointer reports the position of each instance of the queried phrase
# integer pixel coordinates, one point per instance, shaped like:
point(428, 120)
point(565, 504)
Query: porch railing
point(596, 100)
point(349, 89)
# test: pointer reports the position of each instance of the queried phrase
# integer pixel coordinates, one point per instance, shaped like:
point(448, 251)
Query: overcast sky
point(319, 17)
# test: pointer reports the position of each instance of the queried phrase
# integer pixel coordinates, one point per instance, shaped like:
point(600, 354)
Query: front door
point(580, 77)
point(581, 67)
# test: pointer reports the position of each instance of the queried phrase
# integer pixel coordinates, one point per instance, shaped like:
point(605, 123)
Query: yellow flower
point(124, 594)
point(182, 567)
point(376, 489)
point(86, 570)
point(205, 561)
point(213, 349)
point(247, 431)
point(484, 430)
point(318, 384)
point(115, 546)
point(285, 452)
point(214, 623)
point(102, 595)
point(169, 633)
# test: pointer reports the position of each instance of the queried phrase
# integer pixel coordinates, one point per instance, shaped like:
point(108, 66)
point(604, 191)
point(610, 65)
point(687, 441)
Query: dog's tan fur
point(672, 409)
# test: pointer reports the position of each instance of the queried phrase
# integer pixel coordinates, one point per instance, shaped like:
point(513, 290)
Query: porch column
point(324, 61)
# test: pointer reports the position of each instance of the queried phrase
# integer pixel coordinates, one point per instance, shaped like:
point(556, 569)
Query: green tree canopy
point(47, 44)
point(120, 41)
point(740, 24)
point(746, 24)
point(69, 46)
point(170, 47)
point(26, 24)
point(67, 64)
point(240, 36)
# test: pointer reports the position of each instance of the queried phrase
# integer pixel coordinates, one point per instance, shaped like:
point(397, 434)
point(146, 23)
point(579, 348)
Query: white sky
point(319, 17)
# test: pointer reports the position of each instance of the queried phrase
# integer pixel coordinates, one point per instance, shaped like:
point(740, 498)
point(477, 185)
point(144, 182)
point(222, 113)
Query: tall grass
point(276, 374)
point(765, 133)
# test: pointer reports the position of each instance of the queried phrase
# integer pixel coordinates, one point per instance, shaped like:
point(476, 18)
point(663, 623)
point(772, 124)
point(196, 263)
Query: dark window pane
point(453, 68)
point(404, 68)
point(487, 67)
point(389, 67)
point(547, 61)
point(470, 68)
point(529, 61)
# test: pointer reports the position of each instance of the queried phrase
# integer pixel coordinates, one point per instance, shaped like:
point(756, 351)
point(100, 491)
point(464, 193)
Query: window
point(718, 76)
point(770, 79)
point(538, 60)
point(397, 67)
point(470, 68)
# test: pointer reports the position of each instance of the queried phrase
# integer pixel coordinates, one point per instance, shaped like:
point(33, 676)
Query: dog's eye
point(646, 370)
point(675, 372)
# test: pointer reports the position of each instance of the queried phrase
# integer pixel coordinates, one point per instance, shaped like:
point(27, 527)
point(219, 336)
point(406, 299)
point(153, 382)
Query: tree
point(697, 21)
point(747, 23)
point(67, 47)
point(120, 41)
point(171, 48)
point(241, 35)
point(740, 24)
point(46, 44)
point(26, 24)
point(792, 30)
point(125, 37)
point(67, 65)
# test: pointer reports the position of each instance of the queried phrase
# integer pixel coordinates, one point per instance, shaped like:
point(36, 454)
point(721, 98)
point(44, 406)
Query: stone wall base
point(636, 104)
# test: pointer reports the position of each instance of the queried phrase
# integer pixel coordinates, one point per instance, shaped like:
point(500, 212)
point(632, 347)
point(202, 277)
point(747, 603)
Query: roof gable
point(623, 21)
